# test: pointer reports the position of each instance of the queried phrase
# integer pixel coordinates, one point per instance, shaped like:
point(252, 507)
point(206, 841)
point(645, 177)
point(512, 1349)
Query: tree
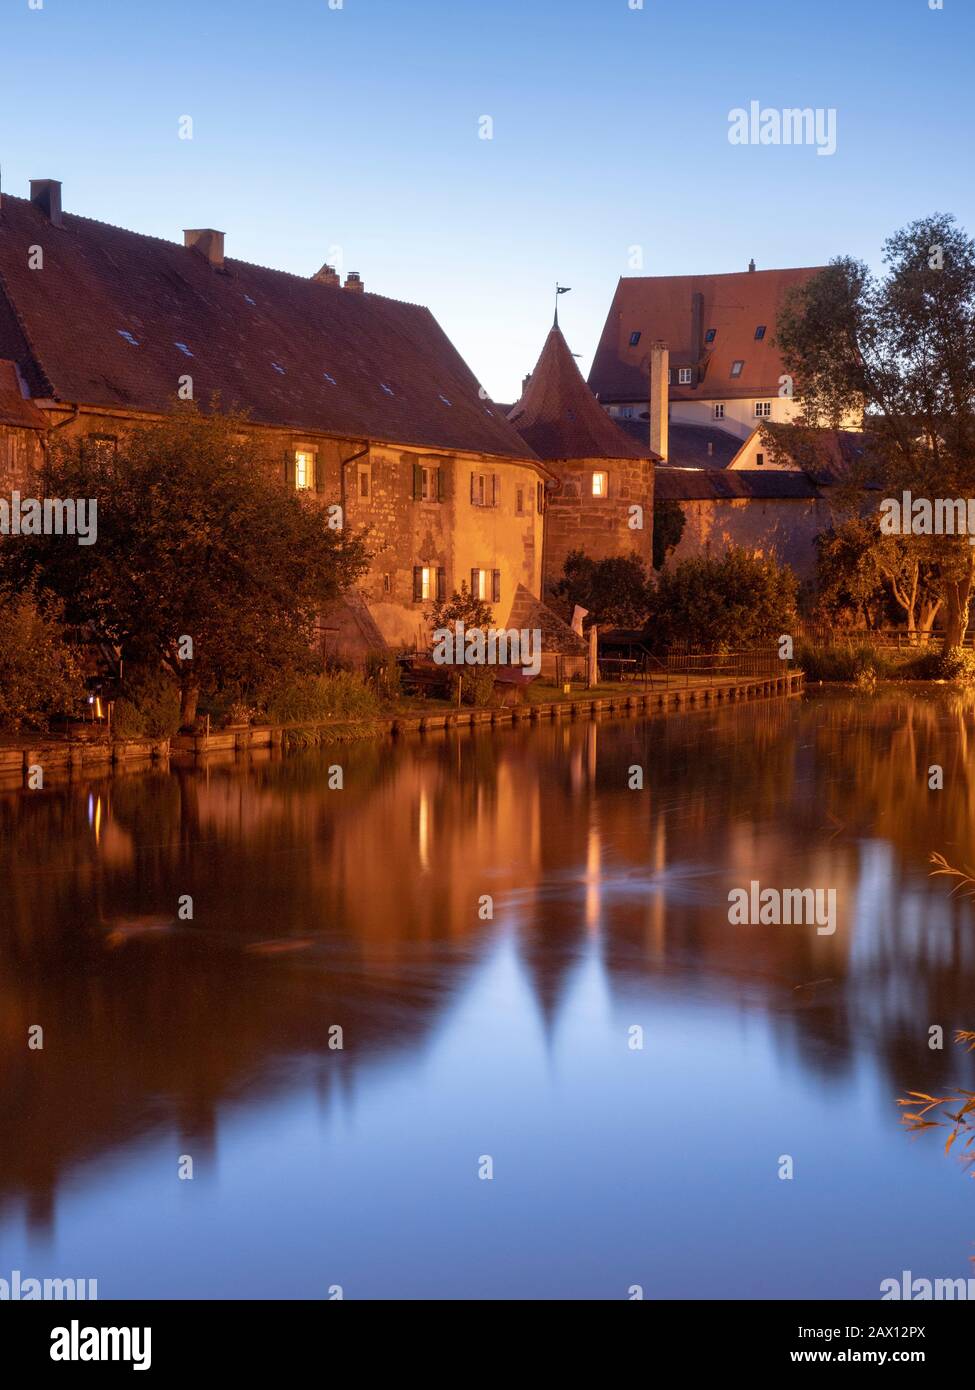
point(205, 561)
point(615, 591)
point(859, 568)
point(40, 674)
point(738, 600)
point(901, 348)
point(668, 527)
point(462, 607)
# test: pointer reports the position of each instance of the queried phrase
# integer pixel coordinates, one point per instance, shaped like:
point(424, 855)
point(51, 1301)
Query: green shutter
point(473, 487)
point(289, 467)
point(417, 583)
point(495, 490)
point(439, 484)
point(417, 482)
point(318, 463)
point(495, 586)
point(441, 584)
point(475, 585)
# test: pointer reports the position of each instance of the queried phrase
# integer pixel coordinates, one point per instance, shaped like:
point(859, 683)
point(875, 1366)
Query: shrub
point(40, 673)
point(842, 661)
point(713, 604)
point(312, 699)
point(385, 674)
point(148, 705)
point(477, 687)
point(957, 664)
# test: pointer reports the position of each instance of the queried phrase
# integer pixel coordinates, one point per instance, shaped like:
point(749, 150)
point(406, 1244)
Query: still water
point(469, 1038)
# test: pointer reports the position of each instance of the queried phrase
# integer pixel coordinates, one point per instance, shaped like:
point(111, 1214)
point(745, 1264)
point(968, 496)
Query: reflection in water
point(505, 1035)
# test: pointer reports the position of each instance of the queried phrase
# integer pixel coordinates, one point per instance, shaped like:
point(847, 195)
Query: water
point(509, 1038)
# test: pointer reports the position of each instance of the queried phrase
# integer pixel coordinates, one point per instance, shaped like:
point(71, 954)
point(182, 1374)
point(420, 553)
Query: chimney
point(46, 195)
point(751, 265)
point(208, 242)
point(659, 399)
point(697, 331)
point(353, 282)
point(524, 383)
point(328, 275)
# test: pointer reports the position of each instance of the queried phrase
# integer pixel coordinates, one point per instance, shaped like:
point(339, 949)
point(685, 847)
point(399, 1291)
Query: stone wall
point(603, 527)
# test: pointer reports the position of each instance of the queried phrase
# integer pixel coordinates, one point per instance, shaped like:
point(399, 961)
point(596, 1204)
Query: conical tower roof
point(559, 417)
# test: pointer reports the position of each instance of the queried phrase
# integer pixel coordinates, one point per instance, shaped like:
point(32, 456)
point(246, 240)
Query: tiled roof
point(708, 484)
point(14, 408)
point(661, 307)
point(527, 611)
point(687, 445)
point(826, 455)
point(104, 321)
point(560, 418)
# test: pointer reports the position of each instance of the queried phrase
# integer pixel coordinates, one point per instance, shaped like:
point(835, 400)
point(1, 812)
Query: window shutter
point(289, 467)
point(475, 583)
point(495, 586)
point(540, 497)
point(439, 484)
point(417, 482)
point(495, 490)
point(441, 585)
point(473, 487)
point(318, 463)
point(417, 583)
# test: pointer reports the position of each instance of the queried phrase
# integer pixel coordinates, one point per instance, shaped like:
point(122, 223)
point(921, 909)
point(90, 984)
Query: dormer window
point(634, 338)
point(710, 335)
point(684, 376)
point(737, 367)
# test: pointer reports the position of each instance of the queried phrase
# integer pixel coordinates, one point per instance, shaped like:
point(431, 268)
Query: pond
point(478, 1024)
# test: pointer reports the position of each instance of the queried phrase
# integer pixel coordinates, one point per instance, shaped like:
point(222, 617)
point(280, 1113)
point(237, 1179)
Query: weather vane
point(559, 289)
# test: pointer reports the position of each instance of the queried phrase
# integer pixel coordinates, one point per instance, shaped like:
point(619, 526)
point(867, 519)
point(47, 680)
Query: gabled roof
point(660, 307)
point(709, 484)
point(15, 409)
point(688, 445)
point(560, 418)
point(527, 611)
point(287, 351)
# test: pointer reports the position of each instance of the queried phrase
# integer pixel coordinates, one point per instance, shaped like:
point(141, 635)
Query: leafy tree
point(199, 538)
point(616, 591)
point(462, 607)
point(40, 674)
point(901, 348)
point(668, 527)
point(714, 604)
point(861, 570)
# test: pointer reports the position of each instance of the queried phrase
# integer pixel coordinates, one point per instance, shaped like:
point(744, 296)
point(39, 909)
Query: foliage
point(668, 527)
point(957, 664)
point(615, 591)
point(385, 674)
point(198, 536)
point(476, 685)
point(148, 705)
point(40, 673)
point(311, 699)
point(713, 604)
point(462, 607)
point(841, 661)
point(872, 578)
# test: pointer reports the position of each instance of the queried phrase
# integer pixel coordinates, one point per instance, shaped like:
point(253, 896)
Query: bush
point(313, 699)
point(148, 705)
point(477, 687)
point(385, 674)
point(40, 673)
point(957, 664)
point(842, 661)
point(736, 601)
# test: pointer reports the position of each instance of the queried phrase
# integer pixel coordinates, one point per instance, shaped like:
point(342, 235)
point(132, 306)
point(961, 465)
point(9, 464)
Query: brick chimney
point(46, 195)
point(353, 282)
point(751, 265)
point(328, 275)
point(208, 242)
point(659, 399)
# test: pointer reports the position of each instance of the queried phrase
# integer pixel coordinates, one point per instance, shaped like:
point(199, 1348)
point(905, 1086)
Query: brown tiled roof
point(527, 611)
point(660, 307)
point(14, 408)
point(826, 455)
point(266, 341)
point(560, 418)
point(687, 445)
point(708, 484)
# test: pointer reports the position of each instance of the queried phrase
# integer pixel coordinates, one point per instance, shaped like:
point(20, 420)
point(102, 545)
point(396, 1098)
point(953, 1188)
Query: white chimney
point(659, 399)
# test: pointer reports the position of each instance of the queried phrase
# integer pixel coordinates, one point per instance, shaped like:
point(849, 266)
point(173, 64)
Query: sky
point(351, 131)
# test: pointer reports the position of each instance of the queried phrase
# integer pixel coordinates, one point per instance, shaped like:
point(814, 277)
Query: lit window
point(428, 578)
point(763, 410)
point(684, 375)
point(736, 367)
point(129, 338)
point(486, 585)
point(304, 469)
point(431, 489)
point(710, 335)
point(183, 349)
point(760, 332)
point(634, 338)
point(600, 485)
point(719, 410)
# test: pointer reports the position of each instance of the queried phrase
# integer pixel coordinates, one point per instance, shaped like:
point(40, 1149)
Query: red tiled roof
point(661, 307)
point(560, 418)
point(15, 409)
point(265, 340)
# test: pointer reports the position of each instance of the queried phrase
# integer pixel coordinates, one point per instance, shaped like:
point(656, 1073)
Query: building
point(600, 498)
point(360, 400)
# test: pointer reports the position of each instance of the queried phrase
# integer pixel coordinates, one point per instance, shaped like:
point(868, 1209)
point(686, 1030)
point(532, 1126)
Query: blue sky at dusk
point(357, 128)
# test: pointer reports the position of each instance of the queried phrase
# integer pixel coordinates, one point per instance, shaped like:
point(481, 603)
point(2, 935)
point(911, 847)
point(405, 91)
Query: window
point(684, 375)
point(520, 501)
point(427, 482)
point(304, 469)
point(710, 335)
point(485, 489)
point(627, 412)
point(760, 332)
point(486, 585)
point(600, 484)
point(387, 584)
point(736, 367)
point(717, 411)
point(634, 338)
point(759, 460)
point(129, 338)
point(763, 410)
point(429, 582)
point(540, 498)
point(365, 482)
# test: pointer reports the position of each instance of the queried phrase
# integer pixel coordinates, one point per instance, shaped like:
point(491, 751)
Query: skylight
point(760, 332)
point(388, 389)
point(710, 335)
point(634, 338)
point(124, 333)
point(278, 368)
point(250, 301)
point(328, 377)
point(736, 367)
point(183, 349)
point(444, 399)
